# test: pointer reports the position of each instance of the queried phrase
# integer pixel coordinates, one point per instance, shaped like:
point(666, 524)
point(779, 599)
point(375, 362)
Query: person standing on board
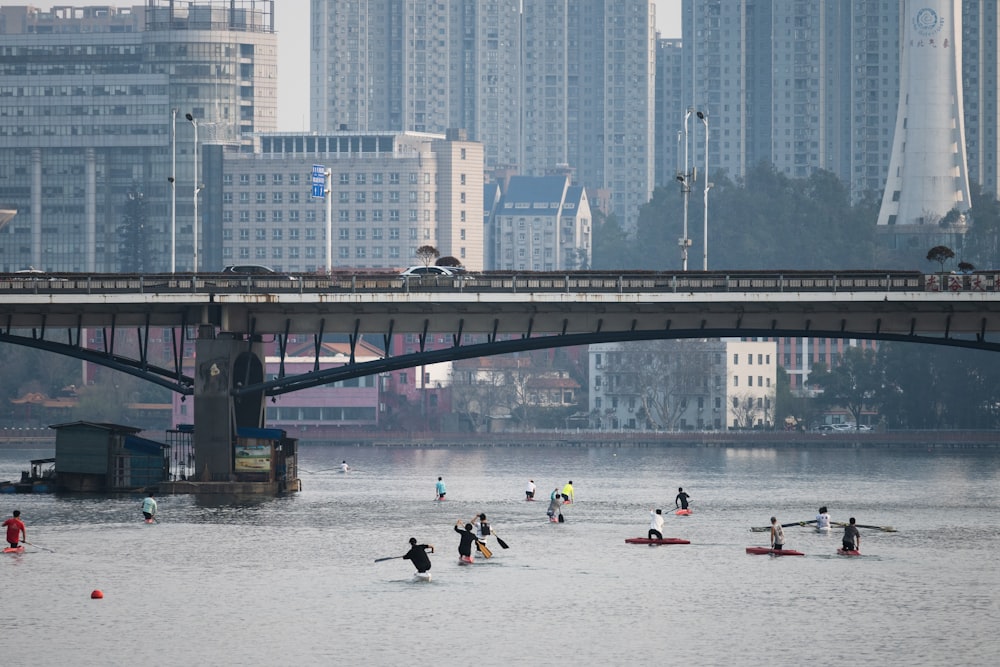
point(852, 538)
point(418, 555)
point(777, 535)
point(681, 500)
point(481, 527)
point(555, 502)
point(16, 532)
point(822, 519)
point(466, 539)
point(656, 524)
point(529, 493)
point(440, 489)
point(149, 508)
point(567, 492)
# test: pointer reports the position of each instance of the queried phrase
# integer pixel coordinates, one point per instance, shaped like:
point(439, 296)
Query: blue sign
point(319, 181)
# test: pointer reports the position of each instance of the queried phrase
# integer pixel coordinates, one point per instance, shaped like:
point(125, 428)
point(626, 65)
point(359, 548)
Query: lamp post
point(197, 189)
point(685, 180)
point(173, 190)
point(703, 117)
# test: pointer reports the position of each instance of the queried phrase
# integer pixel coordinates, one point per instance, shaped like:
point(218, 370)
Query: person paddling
point(344, 467)
point(567, 492)
point(777, 535)
point(149, 508)
point(555, 502)
point(529, 492)
point(418, 555)
point(656, 524)
point(466, 539)
point(682, 499)
point(440, 489)
point(852, 537)
point(823, 519)
point(16, 532)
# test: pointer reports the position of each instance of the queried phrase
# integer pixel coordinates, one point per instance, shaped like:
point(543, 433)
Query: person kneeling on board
point(418, 555)
point(555, 502)
point(852, 538)
point(656, 524)
point(149, 507)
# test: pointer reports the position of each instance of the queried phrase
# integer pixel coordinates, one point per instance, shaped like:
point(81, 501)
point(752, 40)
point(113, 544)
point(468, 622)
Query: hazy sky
point(291, 18)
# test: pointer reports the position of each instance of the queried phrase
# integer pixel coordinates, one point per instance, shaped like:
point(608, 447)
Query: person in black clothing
point(418, 555)
point(852, 537)
point(467, 539)
point(682, 499)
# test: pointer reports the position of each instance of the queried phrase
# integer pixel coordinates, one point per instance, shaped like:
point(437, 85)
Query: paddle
point(764, 529)
point(379, 560)
point(37, 547)
point(483, 549)
point(503, 545)
point(884, 529)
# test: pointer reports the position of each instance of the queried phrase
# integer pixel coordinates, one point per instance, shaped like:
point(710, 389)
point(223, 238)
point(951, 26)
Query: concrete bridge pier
point(223, 362)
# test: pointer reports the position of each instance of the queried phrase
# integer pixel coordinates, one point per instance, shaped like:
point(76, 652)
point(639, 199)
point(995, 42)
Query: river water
point(293, 580)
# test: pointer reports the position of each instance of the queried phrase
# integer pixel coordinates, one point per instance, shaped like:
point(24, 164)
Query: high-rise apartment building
point(558, 83)
point(90, 98)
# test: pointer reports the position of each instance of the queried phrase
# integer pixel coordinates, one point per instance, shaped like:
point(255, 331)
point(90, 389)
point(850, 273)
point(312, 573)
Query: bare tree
point(749, 409)
point(664, 375)
point(427, 254)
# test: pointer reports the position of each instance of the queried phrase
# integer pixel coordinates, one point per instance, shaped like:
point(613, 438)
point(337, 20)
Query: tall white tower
point(928, 170)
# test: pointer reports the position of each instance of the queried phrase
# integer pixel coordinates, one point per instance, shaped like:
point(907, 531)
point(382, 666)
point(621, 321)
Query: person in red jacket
point(16, 532)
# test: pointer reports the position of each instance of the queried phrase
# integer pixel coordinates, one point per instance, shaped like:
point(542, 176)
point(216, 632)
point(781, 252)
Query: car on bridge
point(255, 270)
point(429, 272)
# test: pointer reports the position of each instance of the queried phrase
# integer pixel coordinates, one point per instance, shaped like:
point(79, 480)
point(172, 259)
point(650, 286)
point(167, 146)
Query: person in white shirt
point(822, 519)
point(656, 524)
point(529, 492)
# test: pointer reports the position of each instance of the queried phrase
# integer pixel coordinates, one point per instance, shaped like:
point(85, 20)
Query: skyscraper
point(88, 100)
point(565, 83)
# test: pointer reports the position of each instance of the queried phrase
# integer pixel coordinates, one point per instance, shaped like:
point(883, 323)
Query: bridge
point(481, 314)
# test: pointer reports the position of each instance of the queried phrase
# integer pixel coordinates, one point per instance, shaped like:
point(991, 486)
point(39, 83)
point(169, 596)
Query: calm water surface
point(293, 580)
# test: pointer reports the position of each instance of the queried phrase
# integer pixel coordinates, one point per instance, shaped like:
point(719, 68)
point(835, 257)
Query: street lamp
point(197, 189)
point(173, 190)
point(703, 117)
point(685, 178)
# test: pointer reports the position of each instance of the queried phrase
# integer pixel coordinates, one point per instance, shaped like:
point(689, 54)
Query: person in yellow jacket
point(567, 492)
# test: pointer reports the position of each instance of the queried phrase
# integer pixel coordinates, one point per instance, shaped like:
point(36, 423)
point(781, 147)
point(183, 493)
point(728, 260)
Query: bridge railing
point(507, 282)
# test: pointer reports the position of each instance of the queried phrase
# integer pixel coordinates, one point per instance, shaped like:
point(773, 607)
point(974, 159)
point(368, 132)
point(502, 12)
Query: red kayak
point(653, 540)
point(845, 552)
point(774, 552)
point(13, 550)
point(682, 512)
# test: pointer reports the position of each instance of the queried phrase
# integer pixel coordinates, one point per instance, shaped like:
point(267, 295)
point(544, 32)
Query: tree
point(748, 410)
point(940, 254)
point(663, 375)
point(427, 254)
point(133, 243)
point(448, 260)
point(854, 383)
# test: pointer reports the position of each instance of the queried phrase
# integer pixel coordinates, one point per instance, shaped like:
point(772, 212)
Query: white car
point(428, 272)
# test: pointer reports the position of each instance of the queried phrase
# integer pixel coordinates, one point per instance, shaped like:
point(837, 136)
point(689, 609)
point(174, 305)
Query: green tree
point(940, 254)
point(427, 254)
point(854, 383)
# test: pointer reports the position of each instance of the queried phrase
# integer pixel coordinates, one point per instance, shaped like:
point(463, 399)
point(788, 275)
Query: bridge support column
point(221, 363)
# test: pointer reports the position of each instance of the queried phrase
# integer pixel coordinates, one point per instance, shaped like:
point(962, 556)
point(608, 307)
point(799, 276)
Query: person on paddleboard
point(656, 524)
point(555, 503)
point(529, 493)
point(440, 489)
point(823, 519)
point(852, 538)
point(481, 527)
point(681, 500)
point(567, 492)
point(418, 555)
point(777, 535)
point(149, 507)
point(466, 539)
point(344, 467)
point(16, 532)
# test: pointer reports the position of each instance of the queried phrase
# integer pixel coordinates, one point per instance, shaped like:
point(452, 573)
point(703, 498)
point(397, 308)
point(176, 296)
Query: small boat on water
point(763, 551)
point(653, 540)
point(683, 512)
point(14, 550)
point(848, 552)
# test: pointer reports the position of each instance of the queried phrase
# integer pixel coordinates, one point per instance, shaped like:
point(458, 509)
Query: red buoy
point(96, 595)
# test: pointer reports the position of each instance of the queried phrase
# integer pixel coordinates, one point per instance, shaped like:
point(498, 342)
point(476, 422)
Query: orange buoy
point(96, 595)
